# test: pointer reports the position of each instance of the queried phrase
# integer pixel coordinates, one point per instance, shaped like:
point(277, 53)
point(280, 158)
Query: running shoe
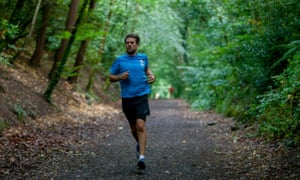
point(141, 164)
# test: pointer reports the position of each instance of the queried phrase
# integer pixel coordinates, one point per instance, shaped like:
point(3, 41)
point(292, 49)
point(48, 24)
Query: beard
point(131, 51)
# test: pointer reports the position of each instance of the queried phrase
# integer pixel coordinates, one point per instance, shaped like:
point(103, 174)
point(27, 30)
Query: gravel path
point(79, 140)
point(178, 148)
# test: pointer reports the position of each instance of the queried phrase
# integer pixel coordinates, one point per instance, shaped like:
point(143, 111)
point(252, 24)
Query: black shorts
point(135, 108)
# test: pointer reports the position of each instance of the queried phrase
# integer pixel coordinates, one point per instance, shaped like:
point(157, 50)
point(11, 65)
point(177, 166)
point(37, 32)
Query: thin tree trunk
point(78, 61)
point(64, 42)
point(41, 39)
point(33, 21)
point(80, 56)
point(34, 17)
point(22, 17)
point(60, 68)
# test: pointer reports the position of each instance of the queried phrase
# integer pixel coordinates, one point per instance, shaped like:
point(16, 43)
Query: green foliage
point(7, 31)
point(239, 67)
point(5, 59)
point(20, 112)
point(3, 125)
point(279, 109)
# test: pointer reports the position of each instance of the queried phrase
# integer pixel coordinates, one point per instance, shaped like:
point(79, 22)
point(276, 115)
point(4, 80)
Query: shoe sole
point(141, 165)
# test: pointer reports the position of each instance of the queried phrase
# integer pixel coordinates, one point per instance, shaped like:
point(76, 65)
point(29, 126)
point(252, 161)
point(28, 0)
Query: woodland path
point(182, 144)
point(178, 148)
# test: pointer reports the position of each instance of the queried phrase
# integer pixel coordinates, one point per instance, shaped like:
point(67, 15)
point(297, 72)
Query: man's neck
point(131, 54)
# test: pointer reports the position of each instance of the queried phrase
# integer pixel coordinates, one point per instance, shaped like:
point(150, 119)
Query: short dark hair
point(132, 35)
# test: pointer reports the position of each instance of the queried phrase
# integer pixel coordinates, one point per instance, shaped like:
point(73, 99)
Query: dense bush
point(279, 109)
point(241, 68)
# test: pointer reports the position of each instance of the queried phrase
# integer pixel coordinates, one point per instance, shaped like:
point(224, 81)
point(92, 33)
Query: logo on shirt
point(142, 63)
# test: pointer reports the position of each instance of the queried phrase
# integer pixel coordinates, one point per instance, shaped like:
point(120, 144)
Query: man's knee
point(140, 125)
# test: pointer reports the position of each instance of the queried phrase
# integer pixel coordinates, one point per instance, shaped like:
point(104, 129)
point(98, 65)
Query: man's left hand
point(151, 78)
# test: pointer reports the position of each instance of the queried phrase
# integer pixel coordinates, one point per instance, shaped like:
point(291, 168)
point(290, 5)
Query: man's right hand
point(124, 76)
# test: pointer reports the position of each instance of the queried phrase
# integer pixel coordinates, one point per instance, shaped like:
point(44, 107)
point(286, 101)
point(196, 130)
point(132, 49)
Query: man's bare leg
point(142, 138)
point(134, 132)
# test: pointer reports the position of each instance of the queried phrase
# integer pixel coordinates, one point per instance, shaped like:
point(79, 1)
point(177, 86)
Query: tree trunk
point(41, 39)
point(69, 27)
point(60, 68)
point(34, 17)
point(78, 61)
point(80, 56)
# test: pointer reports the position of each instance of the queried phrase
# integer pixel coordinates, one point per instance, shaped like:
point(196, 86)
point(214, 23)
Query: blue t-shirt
point(137, 83)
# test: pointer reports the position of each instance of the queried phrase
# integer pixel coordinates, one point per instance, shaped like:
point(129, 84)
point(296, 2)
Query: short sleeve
point(115, 68)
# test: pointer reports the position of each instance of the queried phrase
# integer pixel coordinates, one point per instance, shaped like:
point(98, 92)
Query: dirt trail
point(178, 148)
point(182, 144)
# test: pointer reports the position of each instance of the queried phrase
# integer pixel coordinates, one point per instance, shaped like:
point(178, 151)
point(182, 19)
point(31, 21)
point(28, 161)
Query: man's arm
point(115, 78)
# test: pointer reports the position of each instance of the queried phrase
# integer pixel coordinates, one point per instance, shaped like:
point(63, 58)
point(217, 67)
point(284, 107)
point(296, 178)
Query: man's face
point(131, 45)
